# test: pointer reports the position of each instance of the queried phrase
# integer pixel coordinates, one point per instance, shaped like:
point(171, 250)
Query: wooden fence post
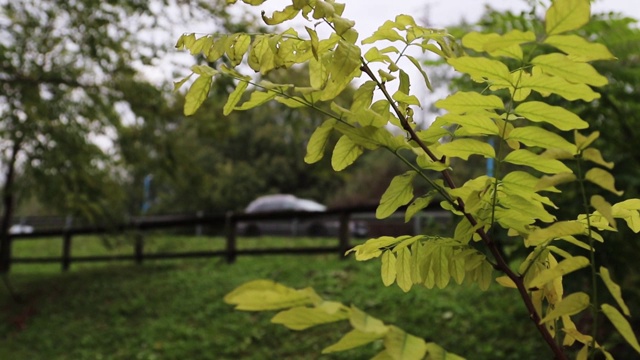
point(66, 244)
point(139, 245)
point(230, 229)
point(66, 251)
point(344, 235)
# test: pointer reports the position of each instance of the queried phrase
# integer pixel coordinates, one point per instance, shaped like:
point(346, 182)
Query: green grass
point(173, 309)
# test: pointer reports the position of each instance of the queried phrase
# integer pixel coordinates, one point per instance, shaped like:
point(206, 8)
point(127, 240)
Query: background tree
point(63, 66)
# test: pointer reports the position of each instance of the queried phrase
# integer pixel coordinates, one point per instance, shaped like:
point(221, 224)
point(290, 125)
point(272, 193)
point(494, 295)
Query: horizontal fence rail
point(226, 224)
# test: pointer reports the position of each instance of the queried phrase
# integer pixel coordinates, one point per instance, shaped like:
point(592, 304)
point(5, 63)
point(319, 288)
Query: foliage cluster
point(535, 141)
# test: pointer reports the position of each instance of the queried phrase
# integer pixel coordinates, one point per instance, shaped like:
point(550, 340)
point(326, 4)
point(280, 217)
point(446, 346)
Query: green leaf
point(567, 15)
point(303, 317)
point(614, 289)
point(469, 102)
point(388, 268)
point(557, 116)
point(579, 49)
point(513, 37)
point(564, 267)
point(261, 295)
point(575, 72)
point(477, 41)
point(315, 42)
point(482, 70)
point(418, 204)
point(353, 339)
point(555, 231)
point(318, 142)
point(570, 305)
point(403, 269)
point(234, 97)
point(527, 158)
point(345, 153)
point(537, 136)
point(197, 94)
point(621, 324)
point(399, 193)
point(436, 352)
point(401, 345)
point(602, 178)
point(463, 148)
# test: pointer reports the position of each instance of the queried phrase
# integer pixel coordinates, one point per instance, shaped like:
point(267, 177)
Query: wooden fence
point(226, 223)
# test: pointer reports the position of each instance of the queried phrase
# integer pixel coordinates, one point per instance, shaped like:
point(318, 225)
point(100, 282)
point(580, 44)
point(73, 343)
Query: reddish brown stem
point(501, 263)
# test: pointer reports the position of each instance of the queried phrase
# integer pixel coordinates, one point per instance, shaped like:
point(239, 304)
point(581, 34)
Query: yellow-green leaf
point(555, 231)
point(604, 179)
point(418, 204)
point(345, 153)
point(364, 322)
point(406, 99)
point(578, 48)
point(513, 37)
point(178, 84)
point(594, 155)
point(537, 136)
point(477, 41)
point(570, 305)
point(576, 72)
point(564, 267)
point(261, 295)
point(469, 102)
point(415, 62)
point(621, 324)
point(582, 142)
point(614, 289)
point(384, 32)
point(604, 208)
point(549, 182)
point(353, 339)
point(463, 148)
point(527, 158)
point(399, 193)
point(257, 98)
point(436, 352)
point(567, 15)
point(279, 17)
point(403, 346)
point(557, 116)
point(197, 94)
point(303, 317)
point(318, 141)
point(482, 69)
point(403, 269)
point(476, 123)
point(237, 47)
point(388, 268)
point(235, 97)
point(545, 85)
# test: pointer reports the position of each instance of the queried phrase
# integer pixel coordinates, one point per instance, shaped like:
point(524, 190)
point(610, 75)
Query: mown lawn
point(173, 309)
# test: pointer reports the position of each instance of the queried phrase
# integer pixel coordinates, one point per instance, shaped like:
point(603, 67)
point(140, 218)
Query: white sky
point(369, 15)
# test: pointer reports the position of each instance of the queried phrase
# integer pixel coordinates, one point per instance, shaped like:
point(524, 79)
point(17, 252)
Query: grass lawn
point(173, 309)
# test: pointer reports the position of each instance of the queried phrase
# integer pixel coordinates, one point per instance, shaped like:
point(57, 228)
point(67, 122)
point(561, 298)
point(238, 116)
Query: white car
point(296, 227)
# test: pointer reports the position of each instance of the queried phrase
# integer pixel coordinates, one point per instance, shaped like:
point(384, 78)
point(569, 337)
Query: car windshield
point(309, 205)
point(283, 203)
